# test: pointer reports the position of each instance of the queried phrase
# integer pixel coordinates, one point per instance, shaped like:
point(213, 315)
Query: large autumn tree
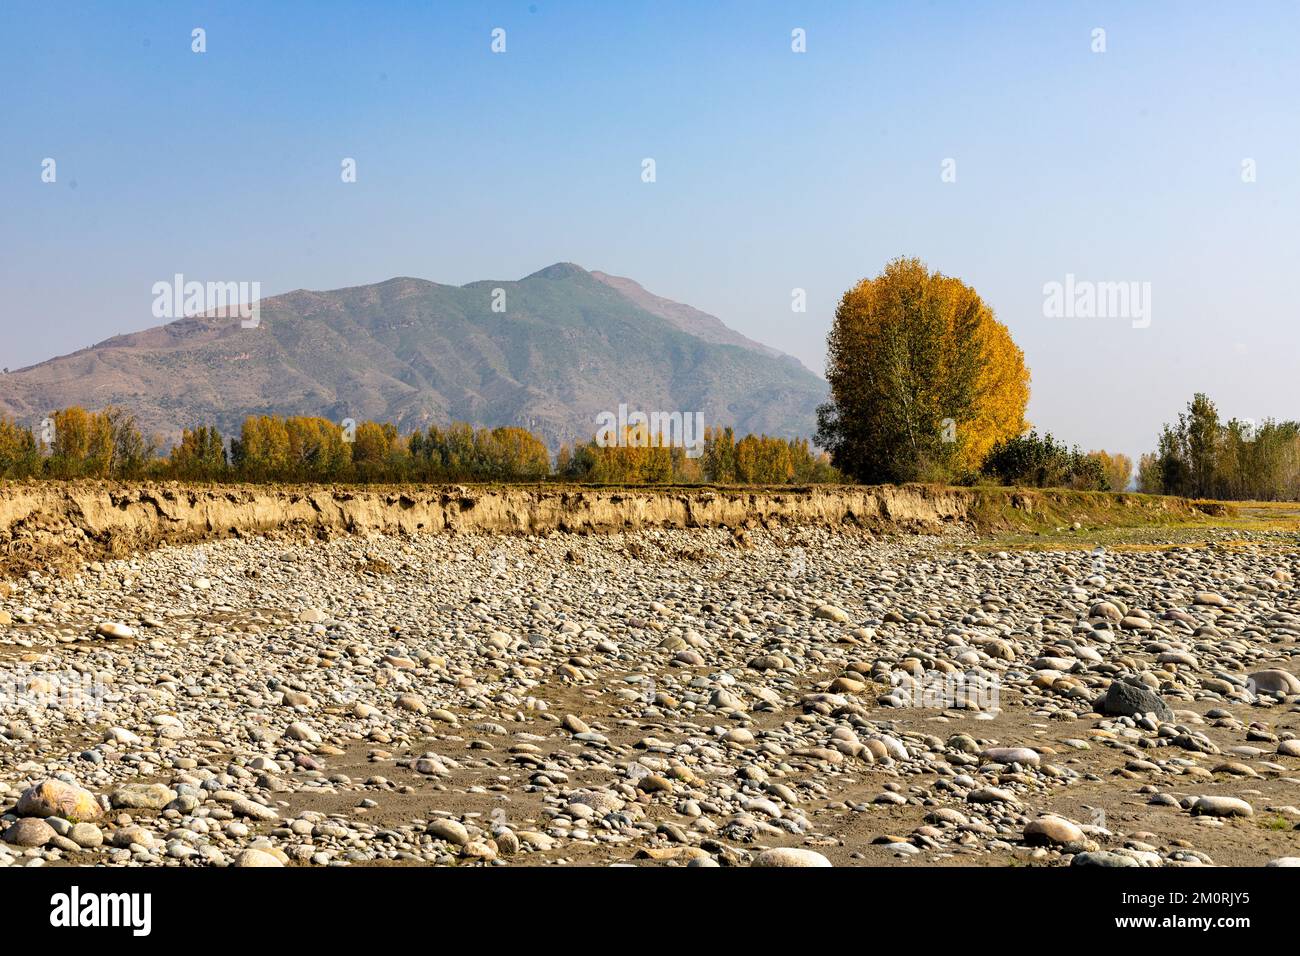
point(924, 380)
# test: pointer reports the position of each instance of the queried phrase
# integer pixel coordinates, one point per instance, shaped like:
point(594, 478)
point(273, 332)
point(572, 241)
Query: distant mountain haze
point(561, 346)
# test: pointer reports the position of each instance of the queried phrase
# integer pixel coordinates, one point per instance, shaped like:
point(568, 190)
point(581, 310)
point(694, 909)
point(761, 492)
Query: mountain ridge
point(548, 352)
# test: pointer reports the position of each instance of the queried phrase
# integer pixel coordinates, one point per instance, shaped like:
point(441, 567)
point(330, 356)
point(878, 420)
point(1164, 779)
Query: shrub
point(1042, 462)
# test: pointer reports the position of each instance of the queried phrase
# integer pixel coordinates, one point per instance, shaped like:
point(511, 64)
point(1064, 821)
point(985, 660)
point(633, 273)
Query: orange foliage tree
point(924, 380)
point(1116, 466)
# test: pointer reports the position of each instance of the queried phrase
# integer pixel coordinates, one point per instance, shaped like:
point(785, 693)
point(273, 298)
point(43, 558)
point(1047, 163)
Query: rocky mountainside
point(562, 346)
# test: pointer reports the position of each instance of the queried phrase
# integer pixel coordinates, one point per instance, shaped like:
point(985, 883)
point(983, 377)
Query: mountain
point(684, 317)
point(569, 345)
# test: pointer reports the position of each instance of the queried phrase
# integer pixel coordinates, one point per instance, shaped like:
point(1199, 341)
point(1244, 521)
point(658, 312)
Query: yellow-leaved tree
point(924, 379)
point(1116, 466)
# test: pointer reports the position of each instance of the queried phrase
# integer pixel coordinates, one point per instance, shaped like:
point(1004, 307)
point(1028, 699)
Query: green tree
point(720, 455)
point(377, 453)
point(1149, 479)
point(200, 455)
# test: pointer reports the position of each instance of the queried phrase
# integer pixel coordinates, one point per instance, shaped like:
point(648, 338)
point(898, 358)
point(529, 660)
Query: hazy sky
point(775, 170)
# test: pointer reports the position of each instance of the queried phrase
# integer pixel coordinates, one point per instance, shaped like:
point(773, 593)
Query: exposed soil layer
point(58, 525)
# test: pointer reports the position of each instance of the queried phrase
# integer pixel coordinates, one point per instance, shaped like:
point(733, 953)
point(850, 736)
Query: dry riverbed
point(658, 697)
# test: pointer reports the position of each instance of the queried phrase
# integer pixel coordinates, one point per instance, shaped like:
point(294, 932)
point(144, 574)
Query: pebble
point(29, 832)
point(1128, 700)
point(142, 796)
point(255, 857)
point(86, 835)
point(1219, 806)
point(1052, 830)
point(449, 830)
point(790, 856)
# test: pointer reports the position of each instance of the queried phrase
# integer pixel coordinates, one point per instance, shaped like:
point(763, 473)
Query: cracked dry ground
point(659, 697)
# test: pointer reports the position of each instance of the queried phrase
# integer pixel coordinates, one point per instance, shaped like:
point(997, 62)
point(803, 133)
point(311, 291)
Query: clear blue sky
point(775, 170)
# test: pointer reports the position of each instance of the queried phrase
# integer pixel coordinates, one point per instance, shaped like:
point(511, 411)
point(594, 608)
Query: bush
point(1042, 462)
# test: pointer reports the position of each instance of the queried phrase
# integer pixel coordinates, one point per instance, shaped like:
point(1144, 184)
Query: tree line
point(925, 385)
point(721, 459)
point(1202, 456)
point(75, 443)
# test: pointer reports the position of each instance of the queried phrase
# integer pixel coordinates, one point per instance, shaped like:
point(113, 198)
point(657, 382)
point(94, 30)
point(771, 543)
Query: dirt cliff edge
point(52, 525)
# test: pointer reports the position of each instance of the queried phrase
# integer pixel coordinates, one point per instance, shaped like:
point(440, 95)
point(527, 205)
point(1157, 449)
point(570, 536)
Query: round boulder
point(55, 798)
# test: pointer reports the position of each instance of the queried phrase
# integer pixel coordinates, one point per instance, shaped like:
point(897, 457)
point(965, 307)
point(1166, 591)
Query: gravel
point(793, 697)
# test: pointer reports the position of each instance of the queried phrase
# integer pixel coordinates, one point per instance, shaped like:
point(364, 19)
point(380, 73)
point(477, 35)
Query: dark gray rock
point(1103, 858)
point(1128, 700)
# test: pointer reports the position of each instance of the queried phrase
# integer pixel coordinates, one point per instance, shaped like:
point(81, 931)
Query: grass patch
point(1125, 522)
point(1278, 822)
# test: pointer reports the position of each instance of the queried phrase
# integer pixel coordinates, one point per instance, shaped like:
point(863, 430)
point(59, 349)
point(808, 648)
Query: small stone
point(429, 766)
point(449, 830)
point(86, 835)
point(1104, 858)
point(725, 700)
point(1128, 700)
point(575, 725)
point(125, 837)
point(254, 857)
point(142, 796)
point(114, 630)
point(1218, 806)
point(253, 810)
point(29, 832)
point(1052, 830)
point(790, 856)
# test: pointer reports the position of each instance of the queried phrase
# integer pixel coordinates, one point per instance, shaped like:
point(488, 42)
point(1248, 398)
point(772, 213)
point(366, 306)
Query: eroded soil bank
point(54, 525)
